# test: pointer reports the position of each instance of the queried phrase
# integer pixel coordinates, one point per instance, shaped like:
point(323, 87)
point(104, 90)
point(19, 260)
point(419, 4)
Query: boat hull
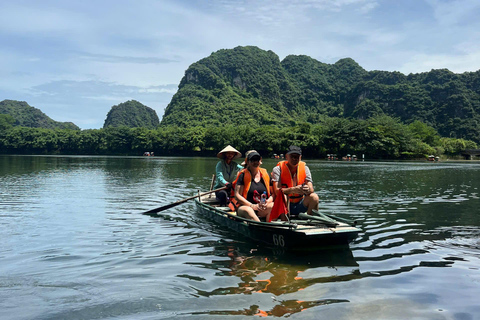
point(297, 235)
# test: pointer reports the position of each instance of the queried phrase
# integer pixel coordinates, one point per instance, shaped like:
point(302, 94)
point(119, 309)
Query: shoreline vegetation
point(378, 138)
point(249, 98)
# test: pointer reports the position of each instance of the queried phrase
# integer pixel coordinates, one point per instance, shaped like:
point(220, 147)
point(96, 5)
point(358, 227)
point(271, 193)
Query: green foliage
point(424, 133)
point(30, 140)
point(380, 137)
point(454, 146)
point(27, 116)
point(233, 87)
point(250, 99)
point(131, 114)
point(6, 122)
point(247, 85)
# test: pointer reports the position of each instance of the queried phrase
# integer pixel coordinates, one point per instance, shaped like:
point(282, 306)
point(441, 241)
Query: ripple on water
point(78, 240)
point(463, 243)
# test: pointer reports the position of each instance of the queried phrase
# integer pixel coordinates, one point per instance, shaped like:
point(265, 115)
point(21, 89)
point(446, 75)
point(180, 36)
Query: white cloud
point(85, 56)
point(72, 100)
point(456, 12)
point(20, 19)
point(120, 59)
point(423, 62)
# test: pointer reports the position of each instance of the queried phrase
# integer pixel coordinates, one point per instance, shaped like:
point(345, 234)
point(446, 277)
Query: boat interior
point(302, 219)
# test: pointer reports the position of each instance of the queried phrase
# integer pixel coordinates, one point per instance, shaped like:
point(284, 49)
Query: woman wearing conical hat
point(226, 172)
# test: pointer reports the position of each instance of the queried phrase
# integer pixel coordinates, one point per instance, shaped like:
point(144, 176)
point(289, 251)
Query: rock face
point(131, 114)
point(251, 86)
point(28, 116)
point(241, 85)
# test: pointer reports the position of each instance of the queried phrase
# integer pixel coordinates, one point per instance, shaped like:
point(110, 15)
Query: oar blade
point(156, 210)
point(171, 205)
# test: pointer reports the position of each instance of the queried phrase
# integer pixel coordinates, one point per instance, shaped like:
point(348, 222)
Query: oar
point(326, 221)
point(317, 213)
point(171, 205)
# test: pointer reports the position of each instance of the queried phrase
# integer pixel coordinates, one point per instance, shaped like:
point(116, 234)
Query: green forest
point(27, 116)
point(249, 85)
point(250, 99)
point(380, 137)
point(131, 114)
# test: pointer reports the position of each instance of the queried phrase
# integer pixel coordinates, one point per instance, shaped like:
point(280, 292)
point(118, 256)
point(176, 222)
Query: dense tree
point(424, 133)
point(131, 114)
point(6, 122)
point(119, 140)
point(454, 146)
point(380, 137)
point(247, 97)
point(250, 85)
point(27, 116)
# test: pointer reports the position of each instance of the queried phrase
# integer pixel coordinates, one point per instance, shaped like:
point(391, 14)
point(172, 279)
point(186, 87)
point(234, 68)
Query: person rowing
point(226, 172)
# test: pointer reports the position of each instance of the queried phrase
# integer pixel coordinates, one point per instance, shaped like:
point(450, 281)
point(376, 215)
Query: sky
point(75, 60)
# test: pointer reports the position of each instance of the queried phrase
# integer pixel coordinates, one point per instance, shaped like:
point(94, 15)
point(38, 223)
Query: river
point(74, 244)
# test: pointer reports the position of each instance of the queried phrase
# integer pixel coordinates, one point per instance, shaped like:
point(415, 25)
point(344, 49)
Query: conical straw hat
point(229, 148)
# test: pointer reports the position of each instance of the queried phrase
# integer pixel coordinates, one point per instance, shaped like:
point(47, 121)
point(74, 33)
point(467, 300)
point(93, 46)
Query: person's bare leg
point(248, 213)
point(311, 202)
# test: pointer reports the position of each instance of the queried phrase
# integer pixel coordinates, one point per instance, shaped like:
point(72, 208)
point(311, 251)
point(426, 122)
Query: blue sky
point(74, 60)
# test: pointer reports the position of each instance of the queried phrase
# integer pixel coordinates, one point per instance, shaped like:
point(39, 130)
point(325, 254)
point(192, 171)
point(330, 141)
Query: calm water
point(74, 244)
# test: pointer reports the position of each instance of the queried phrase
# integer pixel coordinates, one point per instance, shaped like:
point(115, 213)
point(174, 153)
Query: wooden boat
point(305, 233)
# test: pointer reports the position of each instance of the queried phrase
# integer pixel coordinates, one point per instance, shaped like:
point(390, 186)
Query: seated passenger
point(226, 172)
point(244, 163)
point(294, 178)
point(252, 182)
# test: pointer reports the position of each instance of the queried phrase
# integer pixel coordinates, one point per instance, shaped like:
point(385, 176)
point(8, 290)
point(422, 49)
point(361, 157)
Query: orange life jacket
point(234, 183)
point(286, 179)
point(247, 183)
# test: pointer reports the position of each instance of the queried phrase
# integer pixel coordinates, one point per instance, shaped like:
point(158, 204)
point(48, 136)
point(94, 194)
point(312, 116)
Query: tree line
point(379, 137)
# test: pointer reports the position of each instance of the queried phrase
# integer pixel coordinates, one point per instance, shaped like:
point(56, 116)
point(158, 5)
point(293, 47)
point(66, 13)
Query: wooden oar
point(326, 221)
point(171, 205)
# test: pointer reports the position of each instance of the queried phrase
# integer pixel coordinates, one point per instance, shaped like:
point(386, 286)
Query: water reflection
point(73, 237)
point(406, 227)
point(284, 308)
point(275, 274)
